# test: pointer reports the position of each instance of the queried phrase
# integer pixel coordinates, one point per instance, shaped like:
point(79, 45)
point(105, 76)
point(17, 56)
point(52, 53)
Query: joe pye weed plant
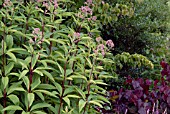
point(52, 61)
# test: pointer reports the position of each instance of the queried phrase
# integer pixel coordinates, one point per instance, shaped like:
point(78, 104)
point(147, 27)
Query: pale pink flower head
point(103, 2)
point(81, 16)
point(89, 19)
point(86, 10)
point(94, 18)
point(76, 41)
point(89, 2)
point(36, 31)
point(110, 43)
point(69, 35)
point(100, 47)
point(103, 52)
point(98, 39)
point(46, 5)
point(76, 34)
point(7, 3)
point(36, 7)
point(55, 4)
point(39, 42)
point(31, 41)
point(95, 51)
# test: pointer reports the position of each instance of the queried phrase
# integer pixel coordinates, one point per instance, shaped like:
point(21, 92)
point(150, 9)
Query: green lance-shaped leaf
point(35, 84)
point(23, 73)
point(68, 90)
point(58, 21)
point(14, 88)
point(1, 95)
point(89, 62)
point(12, 56)
point(57, 41)
point(38, 72)
point(9, 67)
point(31, 97)
point(82, 104)
point(34, 61)
point(67, 100)
point(23, 112)
point(69, 71)
point(47, 74)
point(14, 99)
point(18, 50)
point(79, 76)
point(12, 107)
point(100, 82)
point(9, 41)
point(73, 96)
point(46, 86)
point(39, 105)
point(19, 33)
point(40, 95)
point(39, 112)
point(60, 68)
point(26, 81)
point(102, 98)
point(3, 46)
point(46, 92)
point(58, 87)
point(5, 81)
point(95, 102)
point(81, 93)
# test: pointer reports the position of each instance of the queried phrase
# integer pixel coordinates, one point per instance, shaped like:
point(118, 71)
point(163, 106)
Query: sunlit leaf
point(82, 104)
point(39, 105)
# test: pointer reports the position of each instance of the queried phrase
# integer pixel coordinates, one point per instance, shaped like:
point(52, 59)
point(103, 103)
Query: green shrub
point(146, 28)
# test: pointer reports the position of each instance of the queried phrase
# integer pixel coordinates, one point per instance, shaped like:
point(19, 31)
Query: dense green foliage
point(54, 60)
point(50, 64)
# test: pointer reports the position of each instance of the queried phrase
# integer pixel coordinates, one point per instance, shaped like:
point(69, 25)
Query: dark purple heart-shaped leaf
point(135, 84)
point(142, 111)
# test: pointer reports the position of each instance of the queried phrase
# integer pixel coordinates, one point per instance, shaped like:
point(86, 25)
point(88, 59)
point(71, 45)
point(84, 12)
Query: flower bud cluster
point(101, 46)
point(7, 3)
point(37, 36)
point(46, 3)
point(86, 11)
point(110, 43)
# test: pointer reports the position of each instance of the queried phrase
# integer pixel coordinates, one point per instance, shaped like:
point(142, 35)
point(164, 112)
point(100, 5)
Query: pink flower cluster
point(89, 2)
point(86, 10)
point(7, 3)
point(92, 18)
point(76, 34)
point(101, 47)
point(37, 34)
point(98, 39)
point(110, 43)
point(103, 2)
point(47, 5)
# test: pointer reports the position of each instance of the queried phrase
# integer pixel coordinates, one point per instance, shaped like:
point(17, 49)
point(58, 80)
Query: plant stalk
point(63, 88)
point(88, 86)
